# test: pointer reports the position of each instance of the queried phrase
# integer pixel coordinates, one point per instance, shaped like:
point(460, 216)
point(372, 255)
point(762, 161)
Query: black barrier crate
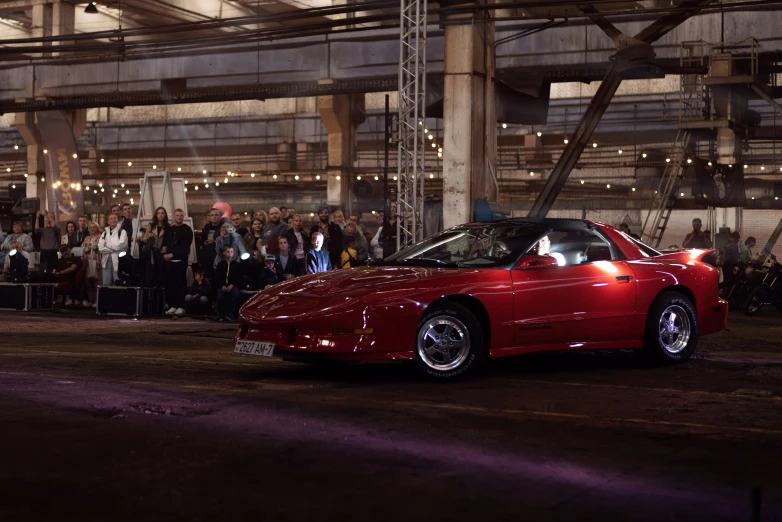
point(130, 301)
point(26, 296)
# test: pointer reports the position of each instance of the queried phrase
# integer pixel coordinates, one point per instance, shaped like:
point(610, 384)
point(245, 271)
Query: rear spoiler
point(693, 254)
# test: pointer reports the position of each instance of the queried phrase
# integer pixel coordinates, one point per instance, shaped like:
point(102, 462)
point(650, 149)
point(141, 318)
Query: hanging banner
point(719, 185)
point(63, 169)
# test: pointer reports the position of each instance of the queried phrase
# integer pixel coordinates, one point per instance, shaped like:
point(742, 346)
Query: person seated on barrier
point(227, 278)
point(290, 266)
point(271, 274)
point(64, 274)
point(112, 241)
point(18, 264)
point(197, 299)
point(18, 237)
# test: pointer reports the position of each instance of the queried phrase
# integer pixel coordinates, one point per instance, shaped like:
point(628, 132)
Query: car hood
point(364, 280)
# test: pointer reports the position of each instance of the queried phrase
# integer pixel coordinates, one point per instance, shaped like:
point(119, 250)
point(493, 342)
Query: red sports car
point(493, 289)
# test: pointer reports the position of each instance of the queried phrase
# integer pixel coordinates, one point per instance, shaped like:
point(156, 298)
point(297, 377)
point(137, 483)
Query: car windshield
point(475, 245)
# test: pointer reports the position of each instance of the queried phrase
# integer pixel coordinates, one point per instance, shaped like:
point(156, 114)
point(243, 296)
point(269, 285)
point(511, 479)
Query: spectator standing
point(17, 237)
point(154, 268)
point(332, 235)
point(227, 282)
point(197, 299)
point(298, 240)
point(362, 250)
point(284, 213)
point(290, 266)
point(228, 237)
point(696, 238)
point(376, 243)
point(113, 241)
point(273, 231)
point(624, 227)
point(263, 216)
point(92, 258)
point(126, 225)
point(49, 240)
point(339, 219)
point(82, 231)
point(318, 260)
point(236, 220)
point(746, 250)
point(731, 256)
point(253, 241)
point(348, 259)
point(209, 235)
point(176, 249)
point(129, 223)
point(70, 229)
point(389, 232)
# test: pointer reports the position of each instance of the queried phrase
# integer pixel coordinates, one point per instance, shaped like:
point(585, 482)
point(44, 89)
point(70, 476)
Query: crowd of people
point(232, 255)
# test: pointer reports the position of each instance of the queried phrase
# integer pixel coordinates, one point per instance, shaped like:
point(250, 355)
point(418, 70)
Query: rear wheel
point(756, 299)
point(449, 343)
point(671, 328)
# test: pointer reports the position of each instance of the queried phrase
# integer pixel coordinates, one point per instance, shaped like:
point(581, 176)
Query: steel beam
point(605, 93)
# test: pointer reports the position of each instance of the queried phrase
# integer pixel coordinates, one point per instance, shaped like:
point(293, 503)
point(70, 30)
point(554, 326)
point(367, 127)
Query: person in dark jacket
point(271, 273)
point(208, 238)
point(332, 235)
point(318, 259)
point(197, 299)
point(227, 279)
point(175, 248)
point(290, 267)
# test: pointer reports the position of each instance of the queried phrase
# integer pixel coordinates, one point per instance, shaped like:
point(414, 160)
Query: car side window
point(575, 247)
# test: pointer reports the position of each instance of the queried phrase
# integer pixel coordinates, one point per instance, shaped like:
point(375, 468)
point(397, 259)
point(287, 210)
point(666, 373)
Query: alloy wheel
point(674, 329)
point(443, 343)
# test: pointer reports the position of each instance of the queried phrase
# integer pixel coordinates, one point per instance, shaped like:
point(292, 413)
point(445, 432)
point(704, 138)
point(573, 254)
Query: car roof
point(545, 222)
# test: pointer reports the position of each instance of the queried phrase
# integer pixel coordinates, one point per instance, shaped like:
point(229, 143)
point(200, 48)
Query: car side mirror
point(532, 262)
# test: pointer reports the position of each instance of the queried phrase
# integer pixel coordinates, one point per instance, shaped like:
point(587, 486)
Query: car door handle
point(624, 278)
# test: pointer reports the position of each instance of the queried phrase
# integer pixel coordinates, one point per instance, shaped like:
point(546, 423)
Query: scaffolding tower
point(411, 124)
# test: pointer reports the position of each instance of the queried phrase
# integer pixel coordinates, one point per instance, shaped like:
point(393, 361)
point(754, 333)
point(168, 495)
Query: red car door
point(591, 301)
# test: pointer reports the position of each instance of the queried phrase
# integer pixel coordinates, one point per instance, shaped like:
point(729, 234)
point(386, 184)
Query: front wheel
point(756, 299)
point(449, 343)
point(671, 328)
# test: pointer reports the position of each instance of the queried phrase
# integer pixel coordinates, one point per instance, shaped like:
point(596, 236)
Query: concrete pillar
point(27, 125)
point(63, 21)
point(469, 119)
point(341, 115)
point(42, 15)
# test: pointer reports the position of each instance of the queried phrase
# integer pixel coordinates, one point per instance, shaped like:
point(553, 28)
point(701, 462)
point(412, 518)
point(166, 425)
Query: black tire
point(455, 360)
point(668, 346)
point(756, 299)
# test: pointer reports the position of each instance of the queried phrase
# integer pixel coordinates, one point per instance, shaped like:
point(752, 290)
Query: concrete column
point(42, 15)
point(63, 21)
point(341, 115)
point(469, 119)
point(27, 125)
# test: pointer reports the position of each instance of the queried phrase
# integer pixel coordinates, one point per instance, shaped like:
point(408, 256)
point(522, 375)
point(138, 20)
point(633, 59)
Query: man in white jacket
point(113, 241)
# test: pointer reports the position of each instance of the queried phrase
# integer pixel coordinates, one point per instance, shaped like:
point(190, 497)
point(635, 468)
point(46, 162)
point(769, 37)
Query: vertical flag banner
point(63, 169)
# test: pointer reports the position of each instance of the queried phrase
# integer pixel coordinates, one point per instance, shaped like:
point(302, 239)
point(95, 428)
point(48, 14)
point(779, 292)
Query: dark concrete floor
point(114, 419)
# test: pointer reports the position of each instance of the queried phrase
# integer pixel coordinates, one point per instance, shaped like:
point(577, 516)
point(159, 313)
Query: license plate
point(255, 348)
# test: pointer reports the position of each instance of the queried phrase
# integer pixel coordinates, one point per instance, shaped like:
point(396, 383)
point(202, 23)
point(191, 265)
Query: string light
point(225, 180)
point(504, 125)
point(205, 180)
point(619, 151)
point(45, 151)
point(185, 189)
point(186, 182)
point(13, 186)
point(689, 160)
point(633, 189)
point(127, 192)
point(217, 183)
point(179, 169)
point(312, 214)
point(75, 155)
point(430, 137)
point(25, 174)
point(762, 167)
point(196, 187)
point(710, 164)
point(376, 178)
point(16, 147)
point(339, 177)
point(439, 154)
point(317, 177)
point(434, 145)
point(275, 176)
point(667, 160)
point(746, 166)
point(431, 176)
point(206, 185)
point(594, 145)
point(130, 164)
point(540, 134)
point(102, 160)
point(582, 181)
point(531, 173)
point(229, 172)
point(566, 141)
point(252, 174)
point(114, 195)
point(102, 189)
point(681, 194)
point(358, 178)
point(426, 131)
point(8, 169)
point(608, 185)
point(87, 188)
point(296, 177)
point(643, 155)
point(123, 185)
point(115, 191)
point(43, 179)
point(154, 167)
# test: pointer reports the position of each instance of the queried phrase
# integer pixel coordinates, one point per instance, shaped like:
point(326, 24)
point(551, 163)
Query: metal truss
point(412, 114)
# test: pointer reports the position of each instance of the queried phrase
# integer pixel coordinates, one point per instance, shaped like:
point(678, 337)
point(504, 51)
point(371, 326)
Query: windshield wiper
point(426, 261)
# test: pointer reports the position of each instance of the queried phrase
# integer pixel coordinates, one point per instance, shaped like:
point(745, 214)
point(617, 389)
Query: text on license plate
point(255, 348)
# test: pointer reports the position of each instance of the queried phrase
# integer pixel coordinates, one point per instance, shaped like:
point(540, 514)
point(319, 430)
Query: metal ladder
point(665, 195)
